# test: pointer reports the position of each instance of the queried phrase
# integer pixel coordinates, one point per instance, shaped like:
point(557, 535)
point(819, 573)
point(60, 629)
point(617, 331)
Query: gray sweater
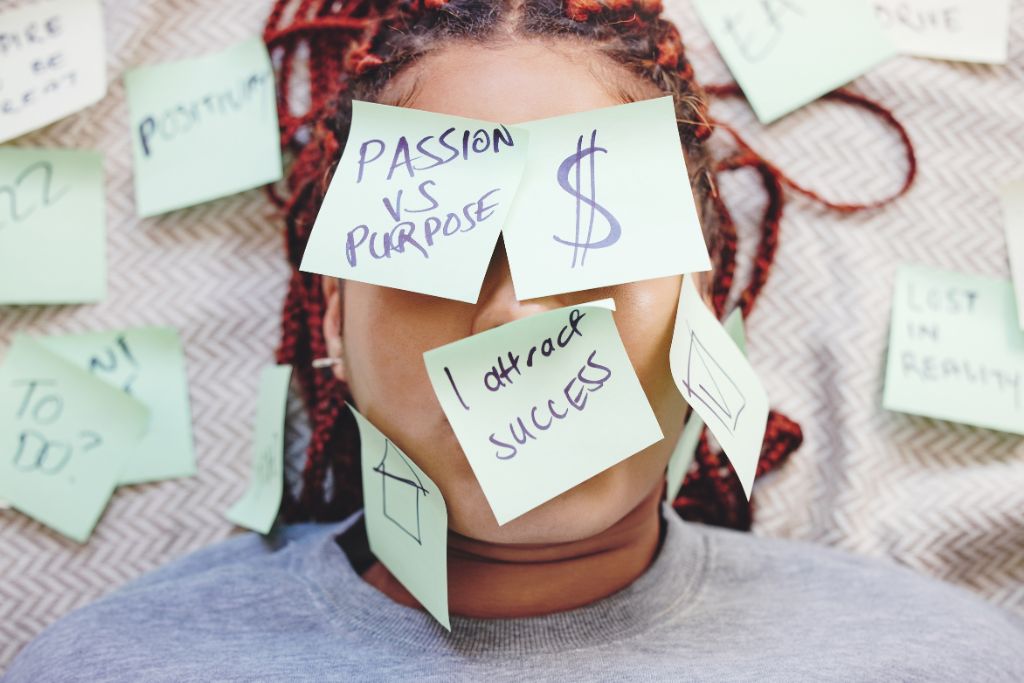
point(716, 605)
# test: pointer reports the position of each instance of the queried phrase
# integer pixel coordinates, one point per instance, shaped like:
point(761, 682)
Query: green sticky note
point(203, 128)
point(718, 382)
point(52, 226)
point(955, 351)
point(605, 199)
point(406, 520)
point(531, 403)
point(963, 30)
point(1013, 214)
point(686, 447)
point(148, 363)
point(258, 508)
point(787, 53)
point(417, 201)
point(65, 436)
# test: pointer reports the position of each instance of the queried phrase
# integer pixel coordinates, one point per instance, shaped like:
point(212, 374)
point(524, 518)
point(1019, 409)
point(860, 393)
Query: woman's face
point(384, 332)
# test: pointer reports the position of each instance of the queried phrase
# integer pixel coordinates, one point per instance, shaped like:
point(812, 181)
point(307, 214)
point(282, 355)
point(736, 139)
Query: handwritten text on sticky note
point(605, 199)
point(955, 350)
point(203, 128)
point(531, 403)
point(64, 437)
point(417, 201)
point(52, 226)
point(964, 30)
point(786, 53)
point(53, 63)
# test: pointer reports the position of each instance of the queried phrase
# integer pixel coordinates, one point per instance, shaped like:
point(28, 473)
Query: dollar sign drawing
point(571, 164)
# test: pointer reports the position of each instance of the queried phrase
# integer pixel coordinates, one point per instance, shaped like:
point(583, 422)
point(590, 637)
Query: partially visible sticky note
point(65, 436)
point(686, 447)
point(719, 383)
point(605, 199)
point(1013, 217)
point(406, 520)
point(52, 226)
point(148, 363)
point(955, 350)
point(53, 63)
point(203, 128)
point(531, 403)
point(962, 30)
point(258, 508)
point(787, 53)
point(417, 201)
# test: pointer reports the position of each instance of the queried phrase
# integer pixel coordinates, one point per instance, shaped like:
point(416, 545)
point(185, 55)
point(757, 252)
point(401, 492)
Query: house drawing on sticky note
point(708, 382)
point(401, 489)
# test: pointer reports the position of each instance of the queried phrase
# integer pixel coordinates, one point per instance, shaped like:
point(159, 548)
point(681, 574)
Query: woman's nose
point(498, 304)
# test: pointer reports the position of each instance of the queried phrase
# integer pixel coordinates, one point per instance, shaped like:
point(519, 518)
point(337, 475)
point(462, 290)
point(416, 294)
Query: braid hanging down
point(328, 52)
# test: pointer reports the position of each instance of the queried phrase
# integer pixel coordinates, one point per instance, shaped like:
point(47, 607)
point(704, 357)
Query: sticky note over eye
point(542, 404)
point(203, 128)
point(605, 200)
point(1013, 220)
point(406, 520)
point(52, 226)
point(65, 436)
point(962, 30)
point(53, 63)
point(258, 508)
point(417, 201)
point(787, 53)
point(147, 363)
point(955, 350)
point(719, 383)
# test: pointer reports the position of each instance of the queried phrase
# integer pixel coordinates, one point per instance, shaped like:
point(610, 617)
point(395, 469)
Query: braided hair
point(329, 52)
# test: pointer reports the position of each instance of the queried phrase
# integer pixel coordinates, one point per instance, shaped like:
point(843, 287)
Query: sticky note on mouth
point(542, 404)
point(417, 201)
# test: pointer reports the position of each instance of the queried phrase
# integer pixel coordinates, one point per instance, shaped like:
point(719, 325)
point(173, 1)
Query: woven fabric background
point(945, 499)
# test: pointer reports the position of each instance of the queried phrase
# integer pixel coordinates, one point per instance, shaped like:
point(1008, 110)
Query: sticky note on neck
point(406, 520)
point(719, 383)
point(417, 201)
point(955, 350)
point(787, 53)
point(203, 128)
point(961, 30)
point(605, 200)
point(1013, 220)
point(53, 63)
point(66, 436)
point(258, 507)
point(531, 403)
point(52, 226)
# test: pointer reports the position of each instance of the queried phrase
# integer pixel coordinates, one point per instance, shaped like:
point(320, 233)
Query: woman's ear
point(332, 326)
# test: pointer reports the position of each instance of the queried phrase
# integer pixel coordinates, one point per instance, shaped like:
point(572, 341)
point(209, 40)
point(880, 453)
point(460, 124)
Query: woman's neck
point(488, 581)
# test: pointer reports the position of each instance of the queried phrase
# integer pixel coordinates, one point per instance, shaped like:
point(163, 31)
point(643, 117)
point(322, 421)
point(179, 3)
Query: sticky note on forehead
point(605, 200)
point(203, 128)
point(542, 404)
point(964, 30)
point(417, 201)
point(53, 63)
point(787, 53)
point(955, 351)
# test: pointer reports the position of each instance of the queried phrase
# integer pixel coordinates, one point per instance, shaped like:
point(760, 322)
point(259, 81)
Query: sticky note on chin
point(787, 53)
point(417, 201)
point(719, 383)
point(52, 226)
point(406, 520)
point(203, 128)
point(542, 404)
point(605, 200)
point(955, 351)
point(66, 436)
point(54, 63)
point(962, 30)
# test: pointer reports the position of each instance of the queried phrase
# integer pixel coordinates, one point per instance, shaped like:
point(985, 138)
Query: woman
point(602, 582)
